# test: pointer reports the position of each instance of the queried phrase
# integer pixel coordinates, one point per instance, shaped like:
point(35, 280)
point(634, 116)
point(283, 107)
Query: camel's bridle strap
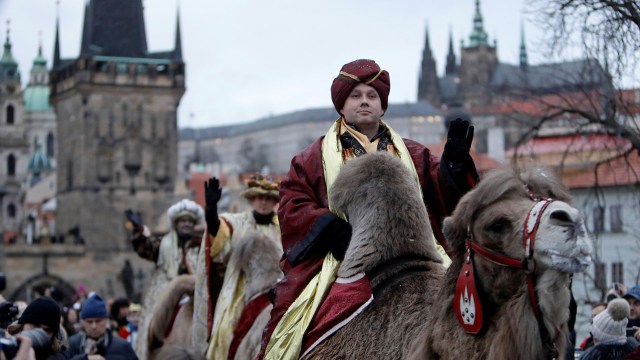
point(531, 225)
point(526, 263)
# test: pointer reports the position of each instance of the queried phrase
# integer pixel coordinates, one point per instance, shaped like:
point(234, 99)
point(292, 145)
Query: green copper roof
point(478, 37)
point(36, 99)
point(7, 56)
point(39, 63)
point(8, 65)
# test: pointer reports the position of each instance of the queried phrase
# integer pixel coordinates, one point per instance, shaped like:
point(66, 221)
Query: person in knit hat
point(95, 341)
point(174, 253)
point(609, 333)
point(313, 236)
point(43, 313)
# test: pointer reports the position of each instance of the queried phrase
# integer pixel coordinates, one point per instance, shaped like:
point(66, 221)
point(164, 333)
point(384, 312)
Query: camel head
point(381, 199)
point(494, 214)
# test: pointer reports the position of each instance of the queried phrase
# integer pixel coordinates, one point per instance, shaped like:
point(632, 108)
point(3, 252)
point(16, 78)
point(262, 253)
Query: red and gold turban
point(360, 71)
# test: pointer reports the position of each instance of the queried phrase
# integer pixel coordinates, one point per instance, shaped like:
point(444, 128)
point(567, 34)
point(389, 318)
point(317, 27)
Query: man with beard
point(174, 254)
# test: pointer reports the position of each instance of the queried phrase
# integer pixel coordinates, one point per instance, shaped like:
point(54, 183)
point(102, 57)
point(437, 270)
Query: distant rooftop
point(420, 108)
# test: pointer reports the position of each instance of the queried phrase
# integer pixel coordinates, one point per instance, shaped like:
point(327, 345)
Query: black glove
point(459, 138)
point(212, 194)
point(338, 234)
point(135, 219)
point(328, 233)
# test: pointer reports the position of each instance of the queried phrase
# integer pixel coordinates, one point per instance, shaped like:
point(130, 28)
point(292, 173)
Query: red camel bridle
point(467, 304)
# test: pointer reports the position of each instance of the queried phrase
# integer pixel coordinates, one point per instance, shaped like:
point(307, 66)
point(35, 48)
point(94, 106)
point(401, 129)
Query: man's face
point(635, 307)
point(263, 205)
point(184, 225)
point(94, 327)
point(363, 106)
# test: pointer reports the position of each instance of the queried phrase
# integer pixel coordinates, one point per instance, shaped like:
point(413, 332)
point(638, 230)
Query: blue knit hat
point(94, 308)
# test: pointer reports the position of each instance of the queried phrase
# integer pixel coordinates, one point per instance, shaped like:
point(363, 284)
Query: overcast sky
point(248, 59)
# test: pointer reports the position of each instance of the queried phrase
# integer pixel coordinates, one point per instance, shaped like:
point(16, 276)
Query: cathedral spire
point(523, 49)
point(428, 78)
point(177, 48)
point(451, 57)
point(427, 45)
point(478, 37)
point(56, 46)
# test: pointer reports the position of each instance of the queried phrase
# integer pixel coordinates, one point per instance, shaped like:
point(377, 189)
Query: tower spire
point(523, 48)
point(478, 37)
point(8, 65)
point(427, 45)
point(56, 46)
point(177, 48)
point(451, 57)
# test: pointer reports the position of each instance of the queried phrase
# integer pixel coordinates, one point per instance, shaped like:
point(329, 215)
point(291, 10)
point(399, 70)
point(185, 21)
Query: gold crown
point(258, 185)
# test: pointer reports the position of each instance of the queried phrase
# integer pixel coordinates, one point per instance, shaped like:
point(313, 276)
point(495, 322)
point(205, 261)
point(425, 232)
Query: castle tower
point(428, 79)
point(477, 62)
point(116, 107)
point(14, 149)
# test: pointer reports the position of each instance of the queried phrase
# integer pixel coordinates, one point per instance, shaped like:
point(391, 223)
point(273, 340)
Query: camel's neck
point(512, 324)
point(393, 271)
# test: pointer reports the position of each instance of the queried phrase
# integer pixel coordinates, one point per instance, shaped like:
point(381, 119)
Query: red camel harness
point(467, 304)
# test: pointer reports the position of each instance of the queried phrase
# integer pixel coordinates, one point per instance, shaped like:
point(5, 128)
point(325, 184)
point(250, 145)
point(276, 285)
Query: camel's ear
point(454, 233)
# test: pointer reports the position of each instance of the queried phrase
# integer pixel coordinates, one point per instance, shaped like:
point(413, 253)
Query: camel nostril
point(561, 215)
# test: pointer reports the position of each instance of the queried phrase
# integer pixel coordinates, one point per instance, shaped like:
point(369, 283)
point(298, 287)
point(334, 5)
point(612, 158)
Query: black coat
point(608, 351)
point(113, 348)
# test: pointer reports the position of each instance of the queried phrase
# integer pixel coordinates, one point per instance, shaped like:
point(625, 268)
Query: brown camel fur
point(412, 312)
point(164, 312)
point(495, 212)
point(393, 244)
point(258, 257)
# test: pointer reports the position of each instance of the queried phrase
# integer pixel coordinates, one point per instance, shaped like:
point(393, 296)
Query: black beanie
point(42, 311)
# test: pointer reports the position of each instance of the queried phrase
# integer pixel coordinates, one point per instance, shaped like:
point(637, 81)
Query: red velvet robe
point(303, 200)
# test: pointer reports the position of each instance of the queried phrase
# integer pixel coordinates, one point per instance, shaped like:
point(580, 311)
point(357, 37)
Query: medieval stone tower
point(116, 105)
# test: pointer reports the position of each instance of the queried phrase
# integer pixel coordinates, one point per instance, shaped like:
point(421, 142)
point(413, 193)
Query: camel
point(258, 258)
point(172, 318)
point(412, 315)
point(171, 326)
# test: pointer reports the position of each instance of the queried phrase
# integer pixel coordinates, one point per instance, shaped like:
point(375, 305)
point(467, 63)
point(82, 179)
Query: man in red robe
point(309, 229)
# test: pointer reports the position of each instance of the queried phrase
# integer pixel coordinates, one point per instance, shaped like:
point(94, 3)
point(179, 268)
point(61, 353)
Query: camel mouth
point(568, 263)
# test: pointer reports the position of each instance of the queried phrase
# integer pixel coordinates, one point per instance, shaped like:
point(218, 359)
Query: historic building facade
point(116, 108)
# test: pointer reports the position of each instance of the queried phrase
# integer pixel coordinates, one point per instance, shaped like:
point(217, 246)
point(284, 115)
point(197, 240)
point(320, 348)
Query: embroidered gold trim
point(374, 78)
point(350, 76)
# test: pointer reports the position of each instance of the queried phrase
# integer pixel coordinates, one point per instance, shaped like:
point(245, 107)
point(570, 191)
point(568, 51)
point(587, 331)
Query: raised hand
point(134, 221)
point(459, 138)
point(212, 194)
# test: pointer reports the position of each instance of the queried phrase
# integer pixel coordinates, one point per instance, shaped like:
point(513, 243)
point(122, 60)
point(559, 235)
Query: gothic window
point(615, 218)
point(11, 165)
point(617, 273)
point(598, 219)
point(50, 145)
point(11, 211)
point(10, 115)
